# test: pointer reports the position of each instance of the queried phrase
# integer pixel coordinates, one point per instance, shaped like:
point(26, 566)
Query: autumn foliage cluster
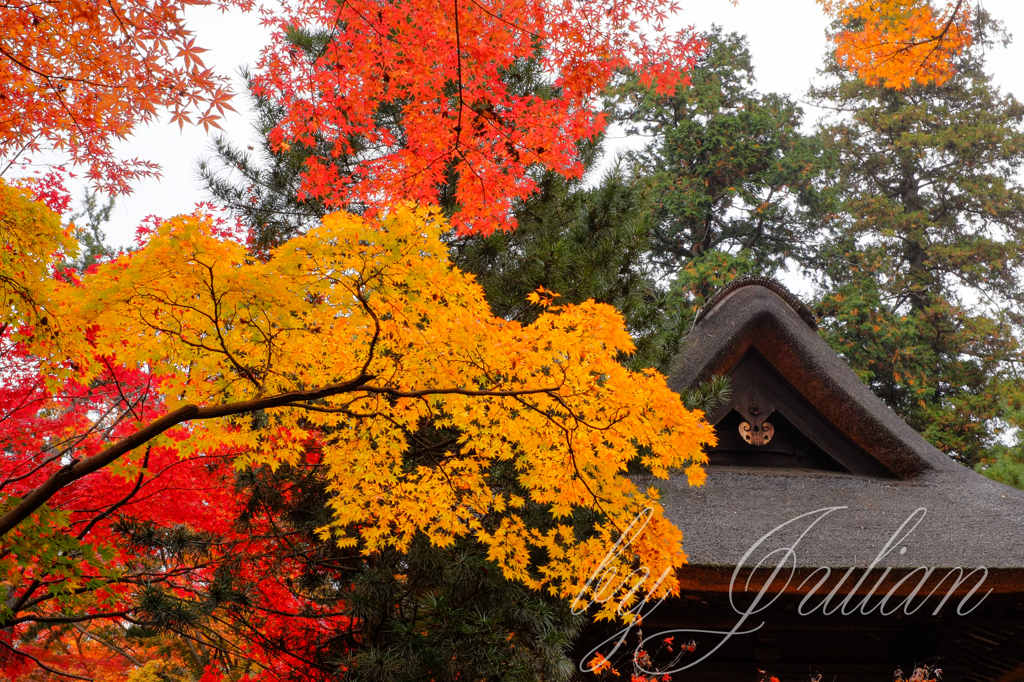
point(436, 69)
point(78, 76)
point(137, 395)
point(898, 42)
point(352, 337)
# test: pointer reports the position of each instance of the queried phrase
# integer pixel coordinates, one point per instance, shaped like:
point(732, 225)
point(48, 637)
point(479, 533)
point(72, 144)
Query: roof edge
point(772, 285)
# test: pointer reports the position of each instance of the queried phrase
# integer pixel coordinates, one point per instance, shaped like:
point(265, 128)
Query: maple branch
point(572, 458)
point(64, 620)
point(137, 578)
point(255, 633)
point(117, 385)
point(14, 479)
point(59, 95)
point(579, 420)
point(27, 595)
point(120, 503)
point(941, 35)
point(938, 39)
point(51, 77)
point(395, 393)
point(341, 409)
point(190, 640)
point(43, 665)
point(483, 185)
point(512, 24)
point(67, 444)
point(216, 320)
point(14, 159)
point(458, 68)
point(358, 293)
point(120, 23)
point(80, 468)
point(60, 454)
point(380, 34)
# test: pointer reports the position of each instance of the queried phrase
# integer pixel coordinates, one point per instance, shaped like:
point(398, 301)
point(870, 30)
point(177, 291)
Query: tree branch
point(43, 665)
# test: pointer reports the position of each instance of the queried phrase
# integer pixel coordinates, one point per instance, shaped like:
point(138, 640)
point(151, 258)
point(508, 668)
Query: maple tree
point(75, 77)
point(357, 332)
point(411, 94)
point(364, 330)
point(67, 564)
point(133, 406)
point(898, 42)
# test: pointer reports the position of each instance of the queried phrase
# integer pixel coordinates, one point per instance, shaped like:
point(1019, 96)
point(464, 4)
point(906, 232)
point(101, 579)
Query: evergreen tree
point(919, 262)
point(731, 171)
point(582, 243)
point(88, 230)
point(426, 613)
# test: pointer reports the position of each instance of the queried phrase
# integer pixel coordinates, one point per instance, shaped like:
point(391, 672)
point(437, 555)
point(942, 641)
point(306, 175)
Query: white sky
point(786, 37)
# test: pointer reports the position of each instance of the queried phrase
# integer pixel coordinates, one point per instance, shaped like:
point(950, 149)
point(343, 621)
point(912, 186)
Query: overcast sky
point(787, 41)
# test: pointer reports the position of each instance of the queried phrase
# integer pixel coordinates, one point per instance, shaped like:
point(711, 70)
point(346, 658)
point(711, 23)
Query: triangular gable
point(768, 423)
point(825, 418)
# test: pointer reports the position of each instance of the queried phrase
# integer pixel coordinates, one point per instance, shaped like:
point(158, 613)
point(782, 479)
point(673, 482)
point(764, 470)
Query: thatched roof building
point(813, 472)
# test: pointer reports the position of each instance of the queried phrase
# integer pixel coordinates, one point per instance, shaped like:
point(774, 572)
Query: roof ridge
point(768, 283)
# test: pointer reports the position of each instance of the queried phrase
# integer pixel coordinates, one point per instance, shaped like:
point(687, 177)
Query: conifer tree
point(919, 263)
point(729, 166)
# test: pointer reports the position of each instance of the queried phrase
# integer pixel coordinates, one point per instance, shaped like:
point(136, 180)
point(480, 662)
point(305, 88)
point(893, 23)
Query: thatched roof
point(969, 519)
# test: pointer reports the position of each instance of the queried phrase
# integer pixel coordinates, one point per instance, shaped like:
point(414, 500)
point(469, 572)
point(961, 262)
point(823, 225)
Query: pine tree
point(731, 170)
point(918, 268)
point(88, 230)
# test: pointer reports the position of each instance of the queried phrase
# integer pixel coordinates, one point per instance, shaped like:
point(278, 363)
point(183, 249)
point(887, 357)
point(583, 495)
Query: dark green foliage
point(905, 209)
point(1004, 465)
point(88, 230)
point(582, 243)
point(708, 395)
point(728, 165)
point(451, 615)
point(427, 613)
point(730, 175)
point(918, 265)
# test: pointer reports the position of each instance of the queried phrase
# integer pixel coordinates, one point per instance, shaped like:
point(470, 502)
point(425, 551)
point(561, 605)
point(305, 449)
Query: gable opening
point(767, 423)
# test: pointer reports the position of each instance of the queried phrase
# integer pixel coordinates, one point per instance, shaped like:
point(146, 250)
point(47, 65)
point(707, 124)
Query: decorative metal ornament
point(755, 409)
point(757, 434)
